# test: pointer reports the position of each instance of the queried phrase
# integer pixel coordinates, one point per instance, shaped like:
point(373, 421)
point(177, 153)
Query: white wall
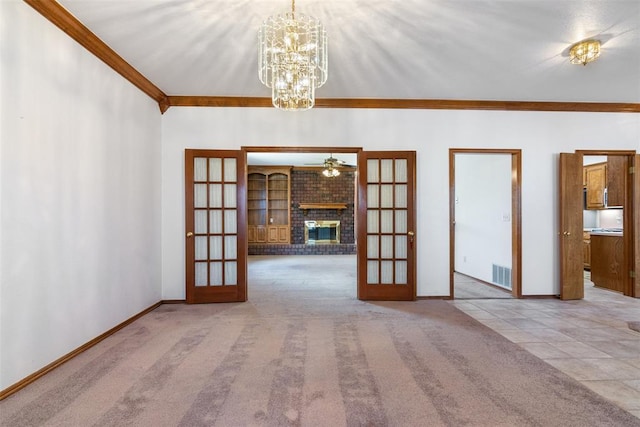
point(79, 195)
point(611, 218)
point(482, 213)
point(540, 135)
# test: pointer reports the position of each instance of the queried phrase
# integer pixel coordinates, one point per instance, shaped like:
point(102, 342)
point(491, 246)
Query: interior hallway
point(466, 287)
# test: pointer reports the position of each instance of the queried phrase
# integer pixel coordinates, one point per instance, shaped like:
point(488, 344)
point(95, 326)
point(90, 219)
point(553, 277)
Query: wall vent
point(501, 276)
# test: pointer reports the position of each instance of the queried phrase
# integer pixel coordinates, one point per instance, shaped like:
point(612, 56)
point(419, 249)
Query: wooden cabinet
point(609, 175)
point(586, 245)
point(596, 180)
point(269, 201)
point(607, 261)
point(256, 207)
point(616, 173)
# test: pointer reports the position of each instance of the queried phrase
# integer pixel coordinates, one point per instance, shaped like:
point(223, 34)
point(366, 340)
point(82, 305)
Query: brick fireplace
point(309, 186)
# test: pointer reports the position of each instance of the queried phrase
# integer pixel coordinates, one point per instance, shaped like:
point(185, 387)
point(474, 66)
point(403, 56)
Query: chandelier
point(584, 52)
point(292, 59)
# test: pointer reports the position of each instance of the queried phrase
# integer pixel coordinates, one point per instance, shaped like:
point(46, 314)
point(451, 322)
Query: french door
point(386, 225)
point(215, 219)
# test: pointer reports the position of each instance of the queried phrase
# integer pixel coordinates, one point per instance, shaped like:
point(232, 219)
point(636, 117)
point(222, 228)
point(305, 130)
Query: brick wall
point(310, 186)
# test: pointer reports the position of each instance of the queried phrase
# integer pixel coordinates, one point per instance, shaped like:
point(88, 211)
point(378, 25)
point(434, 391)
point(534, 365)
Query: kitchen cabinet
point(609, 175)
point(586, 249)
point(596, 180)
point(268, 204)
point(607, 261)
point(616, 173)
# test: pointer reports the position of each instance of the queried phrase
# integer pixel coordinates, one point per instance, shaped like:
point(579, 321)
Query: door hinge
point(632, 170)
point(632, 274)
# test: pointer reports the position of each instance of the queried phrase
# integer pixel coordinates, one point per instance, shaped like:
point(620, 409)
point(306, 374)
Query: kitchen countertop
point(605, 231)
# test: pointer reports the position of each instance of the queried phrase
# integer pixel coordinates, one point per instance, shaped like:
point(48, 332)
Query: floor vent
point(501, 276)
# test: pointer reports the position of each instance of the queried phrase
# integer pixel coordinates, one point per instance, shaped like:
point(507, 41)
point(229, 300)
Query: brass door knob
point(189, 234)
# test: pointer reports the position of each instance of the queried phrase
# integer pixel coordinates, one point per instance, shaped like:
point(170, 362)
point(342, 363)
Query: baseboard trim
point(51, 366)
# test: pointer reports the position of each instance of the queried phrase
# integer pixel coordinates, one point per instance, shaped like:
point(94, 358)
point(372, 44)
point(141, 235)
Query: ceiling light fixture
point(330, 167)
point(292, 59)
point(584, 52)
point(330, 172)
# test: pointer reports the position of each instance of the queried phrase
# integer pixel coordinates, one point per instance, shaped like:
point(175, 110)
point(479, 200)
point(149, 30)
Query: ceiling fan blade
point(332, 162)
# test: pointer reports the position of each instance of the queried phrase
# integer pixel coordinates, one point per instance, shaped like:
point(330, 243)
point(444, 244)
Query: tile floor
point(590, 339)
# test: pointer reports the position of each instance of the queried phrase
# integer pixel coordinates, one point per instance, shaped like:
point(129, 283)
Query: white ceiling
point(508, 50)
point(298, 159)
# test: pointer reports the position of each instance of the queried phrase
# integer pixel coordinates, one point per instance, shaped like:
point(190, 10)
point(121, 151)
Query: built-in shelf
point(306, 206)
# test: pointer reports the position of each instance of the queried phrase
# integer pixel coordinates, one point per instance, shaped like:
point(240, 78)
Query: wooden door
point(386, 225)
point(215, 219)
point(570, 234)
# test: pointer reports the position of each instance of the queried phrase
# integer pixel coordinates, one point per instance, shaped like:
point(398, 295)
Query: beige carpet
point(304, 352)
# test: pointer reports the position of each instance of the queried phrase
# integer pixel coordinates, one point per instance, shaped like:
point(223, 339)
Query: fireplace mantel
point(306, 206)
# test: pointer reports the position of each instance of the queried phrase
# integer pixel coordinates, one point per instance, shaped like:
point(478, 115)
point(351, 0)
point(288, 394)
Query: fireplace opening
point(321, 232)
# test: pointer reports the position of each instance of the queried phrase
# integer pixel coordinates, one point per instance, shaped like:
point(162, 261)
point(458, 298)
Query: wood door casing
point(386, 225)
point(215, 226)
point(570, 227)
point(516, 214)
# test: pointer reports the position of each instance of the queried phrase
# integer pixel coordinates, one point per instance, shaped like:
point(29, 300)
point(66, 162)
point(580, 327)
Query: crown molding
point(414, 104)
point(63, 19)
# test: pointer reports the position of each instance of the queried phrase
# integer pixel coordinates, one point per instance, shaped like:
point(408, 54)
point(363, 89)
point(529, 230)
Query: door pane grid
point(386, 221)
point(215, 231)
point(215, 192)
point(386, 255)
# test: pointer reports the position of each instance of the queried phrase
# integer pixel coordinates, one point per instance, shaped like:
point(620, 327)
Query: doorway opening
point(218, 208)
point(599, 216)
point(312, 250)
point(485, 223)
